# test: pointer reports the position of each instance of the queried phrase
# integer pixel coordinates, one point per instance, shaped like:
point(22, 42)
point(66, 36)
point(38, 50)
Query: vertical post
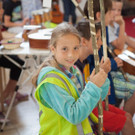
point(96, 59)
point(102, 10)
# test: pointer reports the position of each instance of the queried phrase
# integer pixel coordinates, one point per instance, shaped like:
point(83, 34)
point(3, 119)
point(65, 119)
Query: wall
point(128, 4)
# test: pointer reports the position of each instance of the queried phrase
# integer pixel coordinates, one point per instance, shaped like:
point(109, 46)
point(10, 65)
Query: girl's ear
point(98, 16)
point(52, 48)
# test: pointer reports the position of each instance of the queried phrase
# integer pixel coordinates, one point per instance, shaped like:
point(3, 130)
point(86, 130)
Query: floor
point(23, 117)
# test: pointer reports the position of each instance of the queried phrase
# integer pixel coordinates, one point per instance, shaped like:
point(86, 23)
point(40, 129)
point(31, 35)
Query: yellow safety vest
point(52, 123)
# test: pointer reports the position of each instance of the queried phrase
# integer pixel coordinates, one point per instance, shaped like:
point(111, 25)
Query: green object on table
point(10, 41)
point(48, 24)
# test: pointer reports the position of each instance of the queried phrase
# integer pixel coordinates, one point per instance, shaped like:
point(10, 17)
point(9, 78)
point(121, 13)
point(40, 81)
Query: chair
point(25, 68)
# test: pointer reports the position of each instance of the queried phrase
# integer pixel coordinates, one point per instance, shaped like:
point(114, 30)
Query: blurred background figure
point(28, 6)
point(12, 16)
point(69, 10)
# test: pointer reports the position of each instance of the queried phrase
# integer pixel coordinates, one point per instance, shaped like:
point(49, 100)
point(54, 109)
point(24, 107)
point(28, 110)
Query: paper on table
point(127, 59)
point(128, 53)
point(31, 27)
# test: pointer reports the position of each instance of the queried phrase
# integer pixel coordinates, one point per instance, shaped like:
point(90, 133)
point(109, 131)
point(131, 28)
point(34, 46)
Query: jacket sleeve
point(65, 105)
point(105, 89)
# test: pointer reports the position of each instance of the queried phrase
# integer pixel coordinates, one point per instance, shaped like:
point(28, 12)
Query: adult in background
point(28, 6)
point(69, 9)
point(12, 17)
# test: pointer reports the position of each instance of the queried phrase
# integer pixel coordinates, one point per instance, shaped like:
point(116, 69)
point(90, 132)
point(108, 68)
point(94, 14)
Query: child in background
point(119, 87)
point(108, 7)
point(118, 39)
point(114, 120)
point(64, 102)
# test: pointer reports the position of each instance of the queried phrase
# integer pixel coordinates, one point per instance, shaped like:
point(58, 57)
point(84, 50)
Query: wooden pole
point(102, 10)
point(96, 59)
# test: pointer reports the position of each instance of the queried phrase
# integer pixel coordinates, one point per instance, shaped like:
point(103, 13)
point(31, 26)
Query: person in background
point(28, 6)
point(118, 39)
point(14, 76)
point(69, 10)
point(1, 11)
point(64, 102)
point(119, 86)
point(12, 16)
point(108, 7)
point(114, 120)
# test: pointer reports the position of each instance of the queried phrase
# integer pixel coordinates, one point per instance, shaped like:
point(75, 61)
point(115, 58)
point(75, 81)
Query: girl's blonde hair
point(61, 30)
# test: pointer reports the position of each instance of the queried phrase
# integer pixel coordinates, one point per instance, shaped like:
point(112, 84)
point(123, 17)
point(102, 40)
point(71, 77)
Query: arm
point(8, 10)
point(130, 42)
point(105, 89)
point(65, 105)
point(120, 41)
point(8, 23)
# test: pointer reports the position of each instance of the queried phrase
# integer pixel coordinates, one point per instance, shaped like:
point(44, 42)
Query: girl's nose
point(70, 54)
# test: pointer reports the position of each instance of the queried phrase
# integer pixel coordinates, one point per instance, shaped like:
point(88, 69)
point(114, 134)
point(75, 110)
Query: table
point(24, 49)
point(128, 58)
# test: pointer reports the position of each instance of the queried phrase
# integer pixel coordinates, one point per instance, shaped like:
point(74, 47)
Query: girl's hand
point(105, 65)
point(118, 61)
point(99, 78)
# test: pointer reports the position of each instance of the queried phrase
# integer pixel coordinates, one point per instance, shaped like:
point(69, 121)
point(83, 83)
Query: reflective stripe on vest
point(58, 77)
point(79, 126)
point(80, 130)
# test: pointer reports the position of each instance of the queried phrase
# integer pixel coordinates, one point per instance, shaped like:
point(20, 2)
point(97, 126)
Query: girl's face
point(116, 8)
point(67, 50)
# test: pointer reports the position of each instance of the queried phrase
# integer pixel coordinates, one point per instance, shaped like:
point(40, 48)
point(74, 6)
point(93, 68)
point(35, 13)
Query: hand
point(25, 20)
point(99, 78)
point(78, 1)
point(105, 65)
point(118, 61)
point(119, 20)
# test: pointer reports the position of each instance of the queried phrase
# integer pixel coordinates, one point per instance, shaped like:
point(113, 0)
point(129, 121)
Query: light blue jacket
point(64, 104)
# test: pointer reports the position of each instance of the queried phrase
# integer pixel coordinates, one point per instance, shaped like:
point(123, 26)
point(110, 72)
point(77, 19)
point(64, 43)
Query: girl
point(64, 102)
